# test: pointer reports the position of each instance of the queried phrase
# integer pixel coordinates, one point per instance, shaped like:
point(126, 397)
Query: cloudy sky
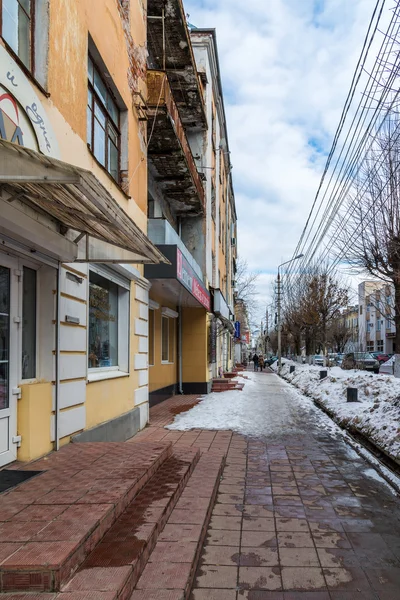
point(286, 69)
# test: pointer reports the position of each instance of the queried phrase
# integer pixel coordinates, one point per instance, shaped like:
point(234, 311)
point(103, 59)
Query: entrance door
point(8, 357)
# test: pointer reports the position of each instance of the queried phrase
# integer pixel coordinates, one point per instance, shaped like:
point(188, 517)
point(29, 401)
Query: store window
point(17, 28)
point(164, 339)
point(29, 324)
point(108, 321)
point(151, 338)
point(103, 123)
point(168, 326)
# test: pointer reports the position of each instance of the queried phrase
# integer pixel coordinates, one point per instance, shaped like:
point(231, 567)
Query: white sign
point(20, 102)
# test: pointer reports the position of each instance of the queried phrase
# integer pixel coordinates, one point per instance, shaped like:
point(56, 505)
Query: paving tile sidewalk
point(295, 517)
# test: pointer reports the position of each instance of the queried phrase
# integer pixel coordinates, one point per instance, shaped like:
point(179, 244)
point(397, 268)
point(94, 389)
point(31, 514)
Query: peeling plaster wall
point(123, 51)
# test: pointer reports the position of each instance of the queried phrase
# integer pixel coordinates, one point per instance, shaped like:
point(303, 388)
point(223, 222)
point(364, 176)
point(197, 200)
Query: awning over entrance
point(78, 201)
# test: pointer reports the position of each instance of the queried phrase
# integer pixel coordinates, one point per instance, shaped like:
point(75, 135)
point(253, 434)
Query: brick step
point(173, 563)
point(52, 522)
point(117, 562)
point(230, 375)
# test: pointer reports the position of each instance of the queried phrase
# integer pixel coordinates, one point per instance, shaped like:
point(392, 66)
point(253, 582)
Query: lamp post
point(279, 310)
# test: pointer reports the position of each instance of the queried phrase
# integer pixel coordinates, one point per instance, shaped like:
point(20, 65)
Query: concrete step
point(117, 562)
point(173, 563)
point(52, 522)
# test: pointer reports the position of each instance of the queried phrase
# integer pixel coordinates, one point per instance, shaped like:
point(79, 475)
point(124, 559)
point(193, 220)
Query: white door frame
point(8, 449)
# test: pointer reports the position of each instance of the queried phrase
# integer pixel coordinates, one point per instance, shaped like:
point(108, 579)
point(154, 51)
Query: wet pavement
point(299, 514)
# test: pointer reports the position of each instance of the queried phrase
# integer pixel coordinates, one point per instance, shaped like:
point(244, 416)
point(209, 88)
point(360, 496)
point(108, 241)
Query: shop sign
point(23, 119)
point(391, 335)
point(188, 278)
point(246, 337)
point(237, 330)
point(15, 126)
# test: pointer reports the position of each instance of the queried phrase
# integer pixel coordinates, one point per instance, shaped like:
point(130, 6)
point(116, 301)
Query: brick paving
point(50, 523)
point(295, 517)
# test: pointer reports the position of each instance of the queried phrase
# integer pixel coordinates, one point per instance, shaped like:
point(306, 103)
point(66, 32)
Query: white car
point(387, 368)
point(318, 360)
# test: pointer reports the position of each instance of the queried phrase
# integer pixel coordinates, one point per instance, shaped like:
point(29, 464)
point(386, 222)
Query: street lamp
point(279, 310)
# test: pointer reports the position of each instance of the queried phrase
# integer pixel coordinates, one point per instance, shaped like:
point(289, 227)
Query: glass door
point(8, 355)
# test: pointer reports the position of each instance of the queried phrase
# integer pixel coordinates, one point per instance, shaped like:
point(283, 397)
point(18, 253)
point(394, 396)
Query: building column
point(141, 365)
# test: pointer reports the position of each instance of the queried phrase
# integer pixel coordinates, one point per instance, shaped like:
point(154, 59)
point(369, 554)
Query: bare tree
point(316, 300)
point(369, 230)
point(246, 287)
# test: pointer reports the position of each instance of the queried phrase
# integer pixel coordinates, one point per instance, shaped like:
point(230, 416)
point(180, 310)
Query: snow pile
point(376, 415)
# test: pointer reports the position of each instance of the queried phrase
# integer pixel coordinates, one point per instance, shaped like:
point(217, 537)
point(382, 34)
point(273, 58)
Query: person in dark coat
point(255, 361)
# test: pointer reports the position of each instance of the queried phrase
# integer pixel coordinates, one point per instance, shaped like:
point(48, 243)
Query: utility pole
point(279, 310)
point(266, 331)
point(279, 322)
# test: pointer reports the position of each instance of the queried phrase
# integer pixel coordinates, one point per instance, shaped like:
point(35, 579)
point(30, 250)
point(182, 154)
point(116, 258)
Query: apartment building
point(73, 173)
point(191, 208)
point(350, 316)
point(377, 331)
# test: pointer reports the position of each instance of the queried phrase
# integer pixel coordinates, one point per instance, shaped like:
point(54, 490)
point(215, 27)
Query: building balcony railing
point(160, 232)
point(169, 152)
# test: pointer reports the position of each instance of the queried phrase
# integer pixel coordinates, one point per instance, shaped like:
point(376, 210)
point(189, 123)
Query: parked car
point(270, 361)
point(360, 360)
point(381, 357)
point(318, 360)
point(387, 368)
point(339, 359)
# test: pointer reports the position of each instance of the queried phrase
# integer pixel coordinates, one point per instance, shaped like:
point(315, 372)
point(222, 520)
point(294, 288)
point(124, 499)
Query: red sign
point(187, 277)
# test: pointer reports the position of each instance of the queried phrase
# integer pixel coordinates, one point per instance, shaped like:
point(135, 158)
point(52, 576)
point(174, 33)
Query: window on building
point(361, 308)
point(379, 345)
point(108, 321)
point(369, 326)
point(168, 326)
point(151, 337)
point(17, 28)
point(103, 121)
point(368, 307)
point(388, 324)
point(172, 326)
point(164, 339)
point(223, 238)
point(370, 346)
point(29, 323)
point(378, 324)
point(213, 267)
point(213, 202)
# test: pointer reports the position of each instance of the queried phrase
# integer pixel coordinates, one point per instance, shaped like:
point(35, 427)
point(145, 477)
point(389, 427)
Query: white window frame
point(124, 296)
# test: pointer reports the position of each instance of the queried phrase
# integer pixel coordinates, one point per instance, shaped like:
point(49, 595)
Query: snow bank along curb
point(377, 414)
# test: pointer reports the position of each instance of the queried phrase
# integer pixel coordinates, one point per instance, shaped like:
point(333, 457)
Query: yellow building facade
point(73, 167)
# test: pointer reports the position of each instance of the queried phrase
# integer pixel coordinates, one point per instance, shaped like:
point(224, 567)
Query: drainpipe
point(180, 347)
point(57, 373)
point(227, 254)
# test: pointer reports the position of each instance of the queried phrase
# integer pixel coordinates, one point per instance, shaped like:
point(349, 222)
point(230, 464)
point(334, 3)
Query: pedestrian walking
point(261, 361)
point(255, 361)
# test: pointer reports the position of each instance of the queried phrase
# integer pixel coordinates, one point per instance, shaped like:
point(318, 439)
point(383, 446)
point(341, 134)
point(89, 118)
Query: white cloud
point(286, 67)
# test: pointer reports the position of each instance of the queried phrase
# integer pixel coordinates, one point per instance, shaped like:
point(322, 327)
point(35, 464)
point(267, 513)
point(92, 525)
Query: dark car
point(361, 360)
point(270, 361)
